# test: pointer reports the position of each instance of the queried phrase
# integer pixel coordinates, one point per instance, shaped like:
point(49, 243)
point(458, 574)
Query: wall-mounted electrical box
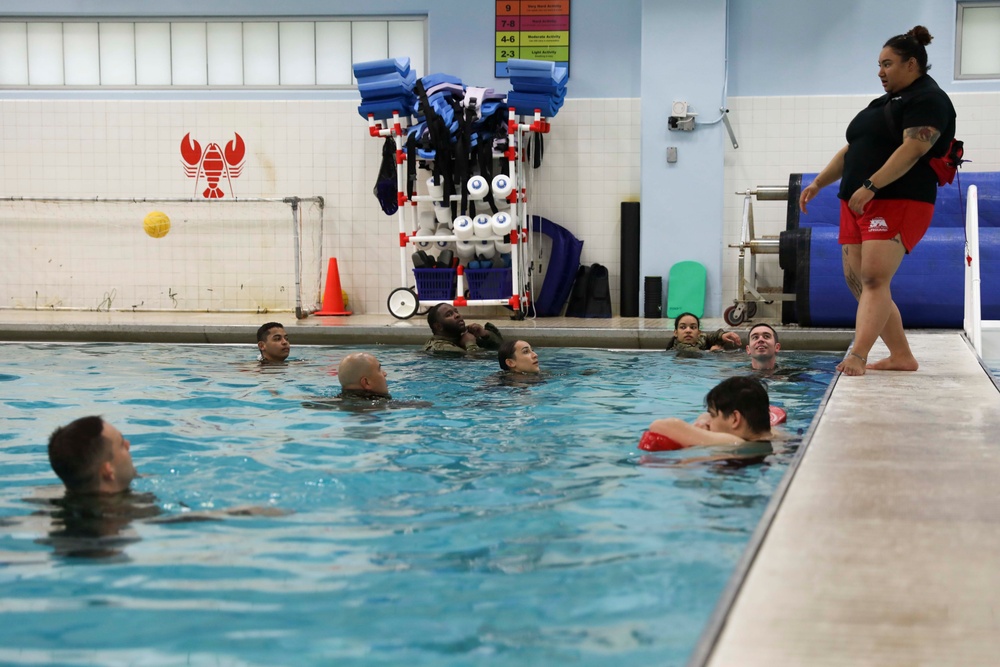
point(681, 117)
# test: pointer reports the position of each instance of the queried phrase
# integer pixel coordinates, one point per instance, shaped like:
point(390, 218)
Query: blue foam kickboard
point(383, 66)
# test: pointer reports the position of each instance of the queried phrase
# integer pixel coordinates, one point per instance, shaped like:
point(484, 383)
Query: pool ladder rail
point(748, 293)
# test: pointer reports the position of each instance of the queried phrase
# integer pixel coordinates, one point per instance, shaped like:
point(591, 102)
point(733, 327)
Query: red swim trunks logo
point(878, 225)
point(213, 164)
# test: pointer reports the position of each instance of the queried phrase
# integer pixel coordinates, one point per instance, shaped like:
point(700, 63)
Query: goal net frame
point(234, 255)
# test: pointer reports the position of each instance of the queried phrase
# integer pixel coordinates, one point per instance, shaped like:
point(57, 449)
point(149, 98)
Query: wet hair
point(506, 352)
point(76, 452)
point(766, 326)
point(434, 315)
point(682, 316)
point(911, 45)
point(746, 394)
point(265, 328)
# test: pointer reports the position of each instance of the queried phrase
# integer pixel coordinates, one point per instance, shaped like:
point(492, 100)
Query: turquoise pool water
point(503, 525)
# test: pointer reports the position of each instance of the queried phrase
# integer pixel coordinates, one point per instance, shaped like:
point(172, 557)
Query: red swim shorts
point(883, 219)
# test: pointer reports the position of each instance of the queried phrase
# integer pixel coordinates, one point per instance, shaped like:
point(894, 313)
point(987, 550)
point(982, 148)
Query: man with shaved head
point(361, 376)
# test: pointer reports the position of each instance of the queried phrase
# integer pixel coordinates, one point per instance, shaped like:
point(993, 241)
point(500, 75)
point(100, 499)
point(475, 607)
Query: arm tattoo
point(923, 133)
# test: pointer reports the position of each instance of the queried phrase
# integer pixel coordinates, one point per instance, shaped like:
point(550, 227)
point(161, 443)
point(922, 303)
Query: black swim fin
point(577, 305)
point(598, 293)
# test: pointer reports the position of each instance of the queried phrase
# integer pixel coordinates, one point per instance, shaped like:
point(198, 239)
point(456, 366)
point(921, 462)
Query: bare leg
point(869, 269)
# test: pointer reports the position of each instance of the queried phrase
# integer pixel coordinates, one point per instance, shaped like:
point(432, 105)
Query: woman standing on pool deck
point(887, 193)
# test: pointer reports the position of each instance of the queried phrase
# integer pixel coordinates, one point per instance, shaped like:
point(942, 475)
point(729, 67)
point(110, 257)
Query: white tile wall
point(132, 149)
point(591, 165)
point(783, 135)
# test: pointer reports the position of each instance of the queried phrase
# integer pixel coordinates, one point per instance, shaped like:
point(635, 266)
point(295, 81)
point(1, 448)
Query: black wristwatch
point(868, 184)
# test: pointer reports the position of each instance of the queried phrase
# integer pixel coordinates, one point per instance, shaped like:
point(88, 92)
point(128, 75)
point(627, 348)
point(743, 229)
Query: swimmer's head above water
point(517, 356)
point(687, 328)
point(362, 373)
point(91, 456)
point(272, 341)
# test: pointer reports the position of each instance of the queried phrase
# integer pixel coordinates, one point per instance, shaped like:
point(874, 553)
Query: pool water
point(503, 525)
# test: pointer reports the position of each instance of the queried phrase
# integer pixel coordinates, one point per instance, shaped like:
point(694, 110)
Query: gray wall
point(819, 47)
point(604, 39)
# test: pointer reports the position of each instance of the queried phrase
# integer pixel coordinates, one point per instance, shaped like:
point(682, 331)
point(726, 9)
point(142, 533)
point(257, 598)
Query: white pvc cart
point(404, 302)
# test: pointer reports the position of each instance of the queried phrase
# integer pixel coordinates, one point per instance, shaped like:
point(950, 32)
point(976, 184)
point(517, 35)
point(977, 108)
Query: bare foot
point(852, 365)
point(891, 363)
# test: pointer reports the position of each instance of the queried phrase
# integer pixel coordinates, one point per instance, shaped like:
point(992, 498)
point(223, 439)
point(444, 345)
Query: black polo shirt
point(871, 142)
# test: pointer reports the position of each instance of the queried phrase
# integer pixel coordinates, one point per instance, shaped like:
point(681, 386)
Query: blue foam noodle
point(386, 86)
point(529, 86)
point(519, 64)
point(437, 78)
point(384, 66)
point(382, 109)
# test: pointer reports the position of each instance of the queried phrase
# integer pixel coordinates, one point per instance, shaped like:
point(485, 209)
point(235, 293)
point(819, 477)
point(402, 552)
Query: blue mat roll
point(929, 286)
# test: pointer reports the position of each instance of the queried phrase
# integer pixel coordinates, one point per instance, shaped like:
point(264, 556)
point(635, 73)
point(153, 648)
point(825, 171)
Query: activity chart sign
point(532, 30)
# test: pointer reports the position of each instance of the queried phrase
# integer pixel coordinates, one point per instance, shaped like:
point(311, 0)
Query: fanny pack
point(945, 166)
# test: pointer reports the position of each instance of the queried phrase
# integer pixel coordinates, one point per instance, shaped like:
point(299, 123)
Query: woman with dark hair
point(689, 340)
point(887, 192)
point(516, 356)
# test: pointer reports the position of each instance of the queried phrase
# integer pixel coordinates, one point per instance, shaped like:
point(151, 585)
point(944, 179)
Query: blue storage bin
point(435, 284)
point(489, 283)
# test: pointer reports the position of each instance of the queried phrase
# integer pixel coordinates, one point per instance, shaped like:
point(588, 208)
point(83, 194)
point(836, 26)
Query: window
point(977, 40)
point(274, 52)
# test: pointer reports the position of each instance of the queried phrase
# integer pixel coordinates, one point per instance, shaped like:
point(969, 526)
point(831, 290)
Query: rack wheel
point(403, 303)
point(734, 315)
point(751, 310)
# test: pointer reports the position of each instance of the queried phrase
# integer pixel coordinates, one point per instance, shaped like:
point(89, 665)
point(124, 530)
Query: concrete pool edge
point(883, 549)
point(720, 614)
point(625, 333)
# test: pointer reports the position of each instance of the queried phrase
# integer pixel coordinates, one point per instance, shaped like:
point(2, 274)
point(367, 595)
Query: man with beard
point(452, 336)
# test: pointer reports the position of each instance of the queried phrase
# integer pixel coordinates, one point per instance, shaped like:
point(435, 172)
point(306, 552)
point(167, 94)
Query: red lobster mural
point(213, 163)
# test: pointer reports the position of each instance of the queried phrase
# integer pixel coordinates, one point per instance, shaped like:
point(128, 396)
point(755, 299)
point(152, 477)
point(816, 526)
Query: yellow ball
point(156, 224)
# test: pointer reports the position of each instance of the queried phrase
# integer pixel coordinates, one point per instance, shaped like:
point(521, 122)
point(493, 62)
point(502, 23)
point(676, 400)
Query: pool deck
point(880, 546)
point(883, 550)
point(235, 328)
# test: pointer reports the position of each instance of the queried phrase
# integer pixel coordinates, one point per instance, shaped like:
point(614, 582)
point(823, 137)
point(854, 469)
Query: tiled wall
point(783, 135)
point(591, 164)
point(132, 149)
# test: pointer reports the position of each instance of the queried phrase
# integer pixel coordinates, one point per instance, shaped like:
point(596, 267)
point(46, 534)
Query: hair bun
point(921, 34)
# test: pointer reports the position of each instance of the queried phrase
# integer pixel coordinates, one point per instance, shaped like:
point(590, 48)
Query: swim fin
point(577, 305)
point(598, 293)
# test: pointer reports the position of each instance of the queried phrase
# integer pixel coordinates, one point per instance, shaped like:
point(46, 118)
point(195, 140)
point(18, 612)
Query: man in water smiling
point(763, 346)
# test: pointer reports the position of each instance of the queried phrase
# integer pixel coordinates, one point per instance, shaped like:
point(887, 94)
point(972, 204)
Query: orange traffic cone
point(333, 297)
